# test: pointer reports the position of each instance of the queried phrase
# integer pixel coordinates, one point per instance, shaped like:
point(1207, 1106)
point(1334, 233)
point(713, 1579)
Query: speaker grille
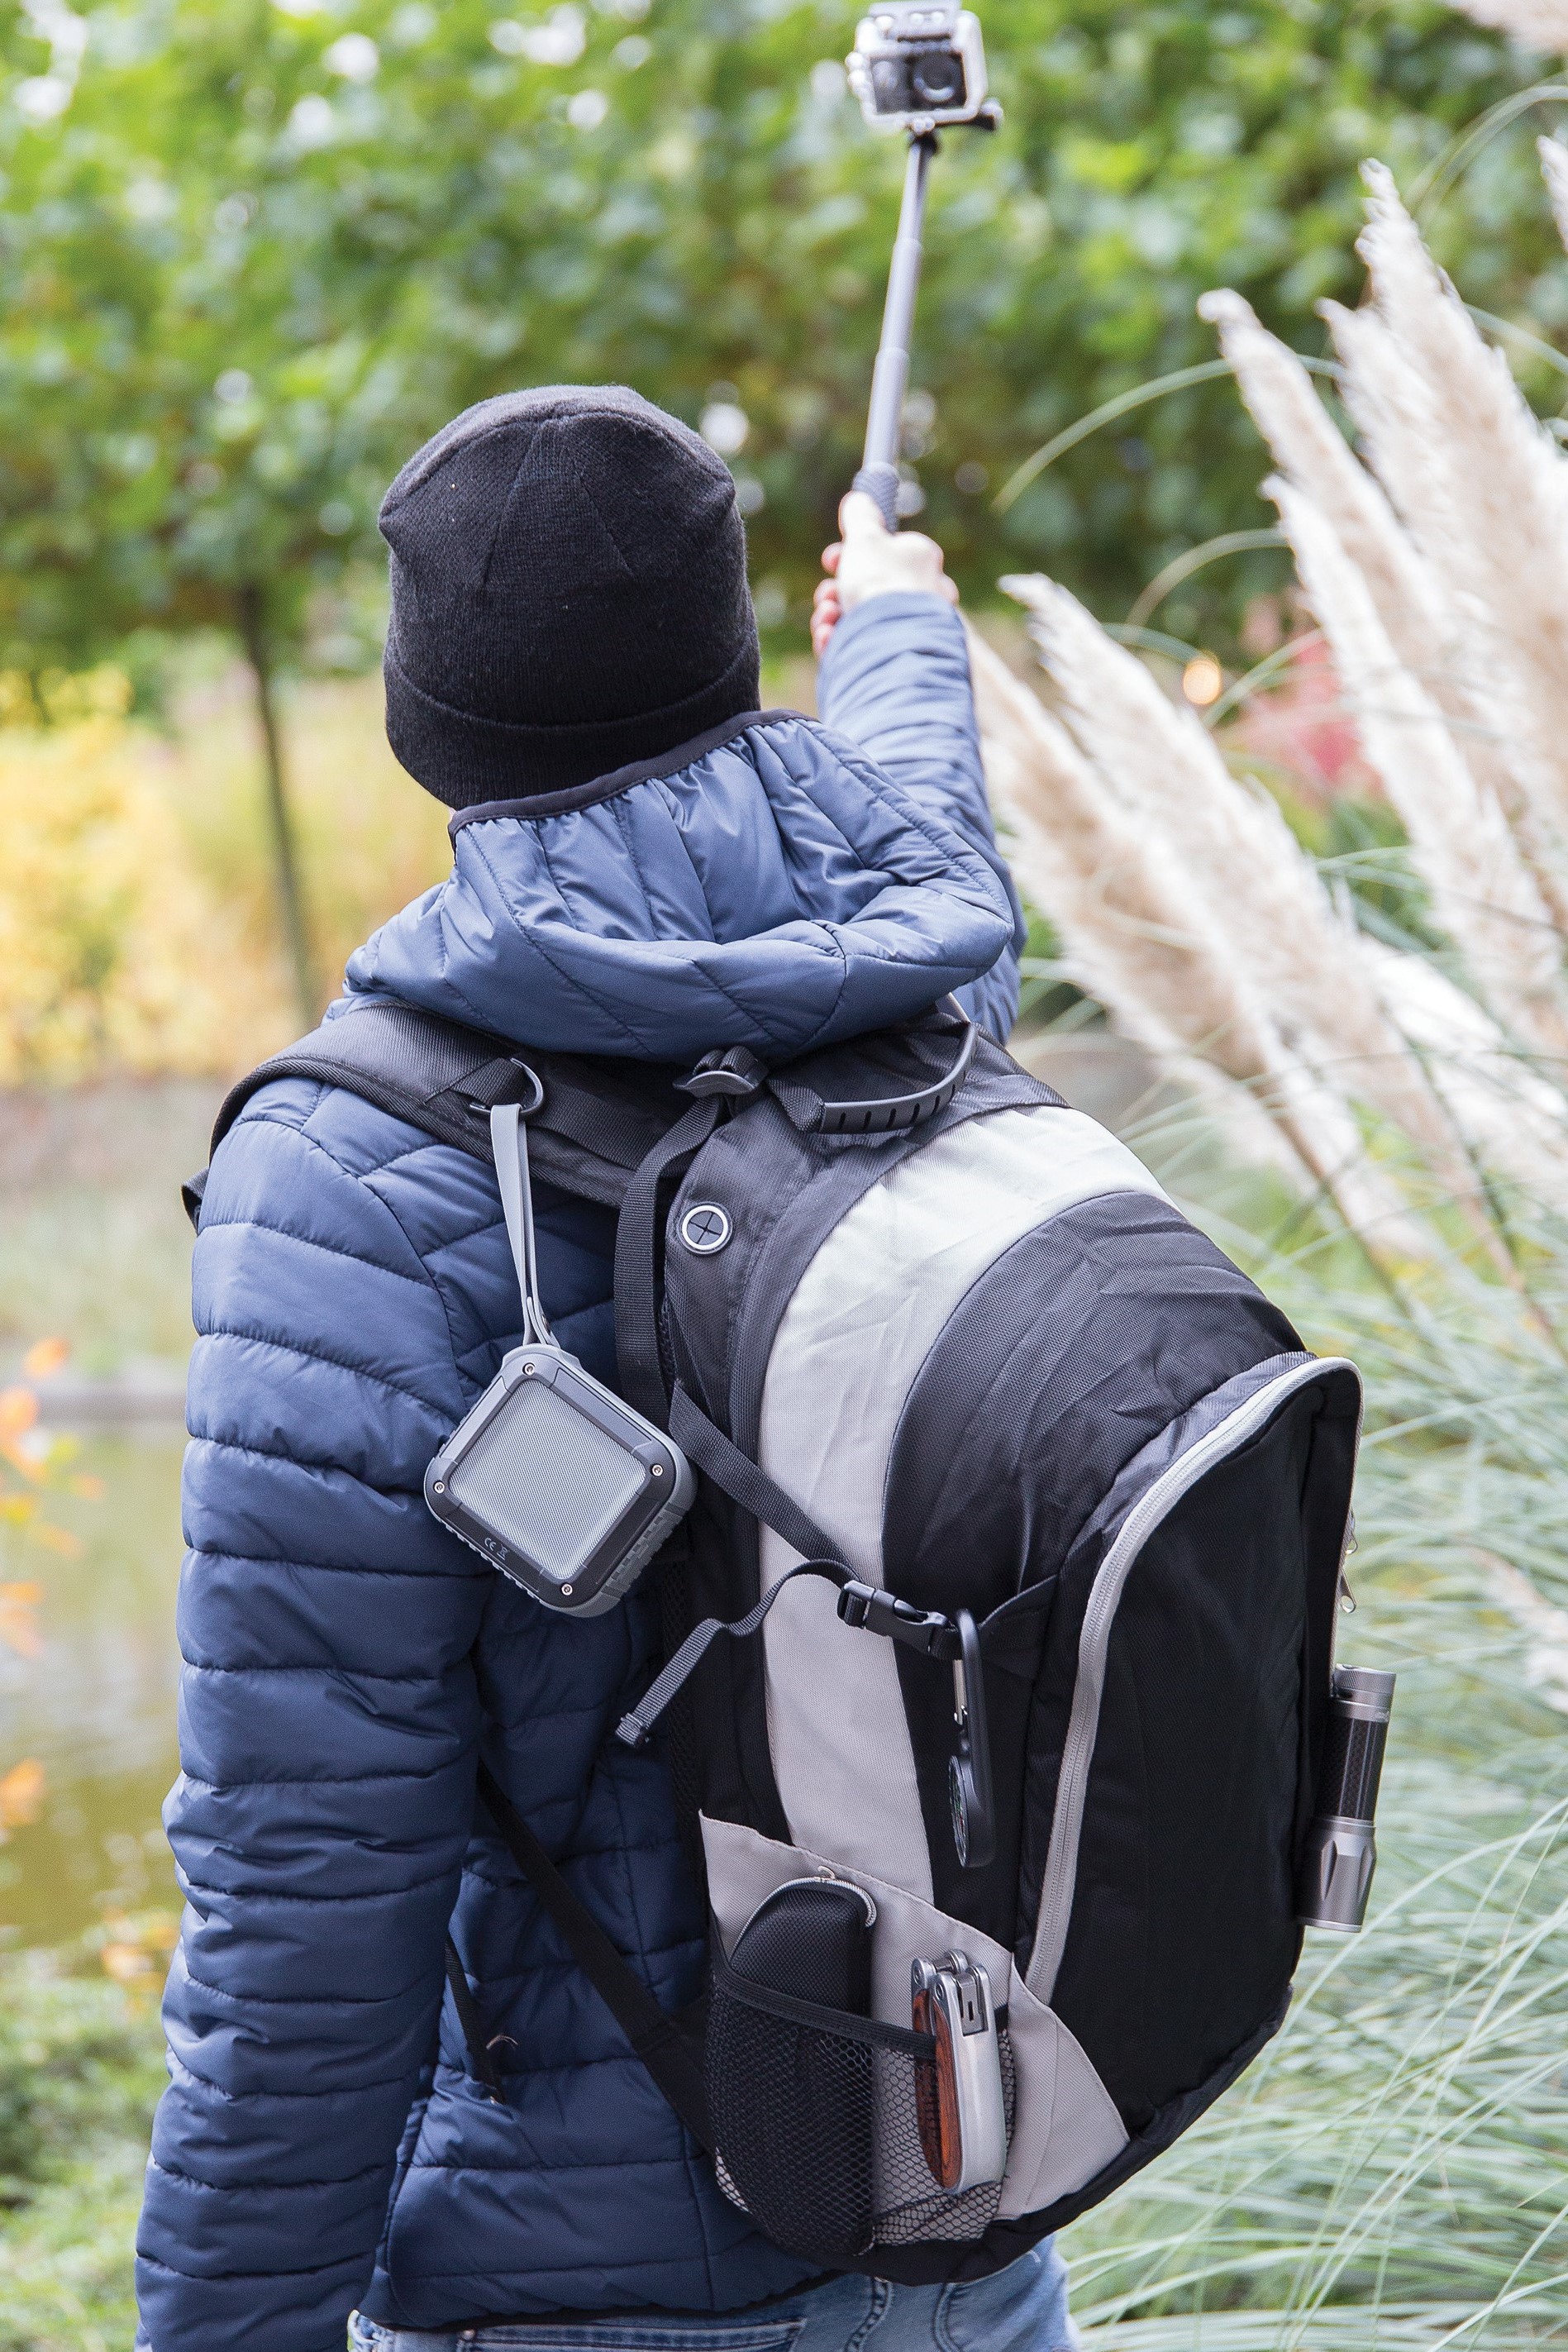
point(550, 1482)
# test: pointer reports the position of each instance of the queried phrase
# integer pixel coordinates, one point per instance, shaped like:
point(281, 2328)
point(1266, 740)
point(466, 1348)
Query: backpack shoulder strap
point(670, 2047)
point(592, 1120)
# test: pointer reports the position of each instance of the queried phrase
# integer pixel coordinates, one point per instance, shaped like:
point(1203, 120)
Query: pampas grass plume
point(1249, 881)
point(1135, 938)
point(1483, 895)
point(1553, 157)
point(1309, 450)
point(1538, 24)
point(1489, 503)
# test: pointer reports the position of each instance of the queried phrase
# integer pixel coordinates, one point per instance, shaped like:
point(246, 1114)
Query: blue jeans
point(1020, 2309)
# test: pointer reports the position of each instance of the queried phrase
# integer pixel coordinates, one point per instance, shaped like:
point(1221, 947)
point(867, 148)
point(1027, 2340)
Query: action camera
point(918, 64)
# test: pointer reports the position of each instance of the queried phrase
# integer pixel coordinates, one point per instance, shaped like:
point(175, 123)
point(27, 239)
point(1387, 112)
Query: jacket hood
point(769, 887)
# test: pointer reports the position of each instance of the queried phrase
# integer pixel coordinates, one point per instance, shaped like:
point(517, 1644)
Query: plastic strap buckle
point(877, 1611)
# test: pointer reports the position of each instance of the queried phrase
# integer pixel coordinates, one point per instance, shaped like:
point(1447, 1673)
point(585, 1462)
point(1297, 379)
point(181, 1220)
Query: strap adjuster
point(876, 1611)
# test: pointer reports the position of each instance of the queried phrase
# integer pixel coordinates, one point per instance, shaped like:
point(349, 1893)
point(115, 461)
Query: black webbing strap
point(635, 1726)
point(472, 2023)
point(596, 1122)
point(638, 1236)
point(667, 2048)
point(745, 1482)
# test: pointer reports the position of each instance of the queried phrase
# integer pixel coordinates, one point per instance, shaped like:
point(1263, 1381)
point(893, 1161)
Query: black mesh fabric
point(816, 2117)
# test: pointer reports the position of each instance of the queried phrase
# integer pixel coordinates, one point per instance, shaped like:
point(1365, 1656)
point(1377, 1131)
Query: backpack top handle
point(811, 1114)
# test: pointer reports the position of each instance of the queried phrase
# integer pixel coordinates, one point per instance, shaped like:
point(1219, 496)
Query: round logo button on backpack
point(705, 1228)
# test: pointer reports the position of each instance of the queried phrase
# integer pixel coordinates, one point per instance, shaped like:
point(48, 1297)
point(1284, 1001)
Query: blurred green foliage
point(253, 252)
point(80, 2068)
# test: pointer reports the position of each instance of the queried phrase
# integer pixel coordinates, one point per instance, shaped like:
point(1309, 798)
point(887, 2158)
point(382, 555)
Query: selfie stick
point(918, 66)
point(878, 475)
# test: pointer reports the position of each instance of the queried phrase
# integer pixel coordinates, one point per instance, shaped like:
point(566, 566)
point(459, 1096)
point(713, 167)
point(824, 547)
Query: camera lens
point(890, 86)
point(938, 78)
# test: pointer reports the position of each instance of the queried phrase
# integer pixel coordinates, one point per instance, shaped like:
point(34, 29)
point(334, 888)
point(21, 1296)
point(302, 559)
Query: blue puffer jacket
point(347, 1660)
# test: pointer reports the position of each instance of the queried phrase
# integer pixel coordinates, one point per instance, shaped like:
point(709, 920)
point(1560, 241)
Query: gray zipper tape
point(1084, 1724)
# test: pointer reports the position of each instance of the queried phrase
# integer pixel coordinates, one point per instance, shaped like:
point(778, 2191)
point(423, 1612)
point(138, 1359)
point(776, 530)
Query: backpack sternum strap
point(876, 1611)
point(746, 1482)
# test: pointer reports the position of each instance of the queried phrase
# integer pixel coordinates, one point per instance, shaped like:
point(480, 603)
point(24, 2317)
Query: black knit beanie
point(569, 595)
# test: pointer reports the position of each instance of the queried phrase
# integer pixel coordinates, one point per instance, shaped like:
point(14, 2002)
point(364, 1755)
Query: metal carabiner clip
point(969, 1789)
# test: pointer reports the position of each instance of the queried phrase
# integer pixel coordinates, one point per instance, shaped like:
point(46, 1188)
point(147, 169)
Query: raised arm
point(894, 678)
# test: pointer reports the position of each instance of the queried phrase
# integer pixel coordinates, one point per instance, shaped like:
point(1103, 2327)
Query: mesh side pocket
point(790, 2095)
point(816, 2114)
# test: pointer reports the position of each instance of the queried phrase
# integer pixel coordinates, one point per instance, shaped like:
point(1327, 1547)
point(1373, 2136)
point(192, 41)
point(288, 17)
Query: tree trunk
point(286, 865)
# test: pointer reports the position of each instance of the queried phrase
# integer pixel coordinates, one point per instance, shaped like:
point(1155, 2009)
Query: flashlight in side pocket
point(1341, 1849)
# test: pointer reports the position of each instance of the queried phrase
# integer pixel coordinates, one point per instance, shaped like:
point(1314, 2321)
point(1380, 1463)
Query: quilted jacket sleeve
point(328, 1732)
point(895, 680)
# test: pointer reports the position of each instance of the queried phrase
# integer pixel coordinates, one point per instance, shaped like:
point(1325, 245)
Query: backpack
point(998, 1640)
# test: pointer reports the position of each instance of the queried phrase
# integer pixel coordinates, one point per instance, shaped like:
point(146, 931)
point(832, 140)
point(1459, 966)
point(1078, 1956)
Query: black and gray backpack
point(999, 1637)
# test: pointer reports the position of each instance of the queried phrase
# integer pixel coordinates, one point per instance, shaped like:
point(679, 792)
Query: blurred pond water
point(95, 1252)
point(96, 1708)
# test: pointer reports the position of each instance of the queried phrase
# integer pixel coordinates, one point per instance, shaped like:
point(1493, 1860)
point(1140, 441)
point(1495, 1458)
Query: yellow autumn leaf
point(44, 1359)
point(154, 1932)
point(116, 951)
point(22, 1793)
point(18, 1412)
point(32, 1460)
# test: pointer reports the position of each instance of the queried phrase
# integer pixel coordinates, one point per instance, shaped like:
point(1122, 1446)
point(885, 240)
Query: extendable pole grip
point(1341, 1849)
point(878, 475)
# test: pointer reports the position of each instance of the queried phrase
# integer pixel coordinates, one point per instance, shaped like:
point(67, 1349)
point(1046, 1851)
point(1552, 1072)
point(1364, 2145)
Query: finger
point(860, 517)
point(830, 555)
point(826, 591)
